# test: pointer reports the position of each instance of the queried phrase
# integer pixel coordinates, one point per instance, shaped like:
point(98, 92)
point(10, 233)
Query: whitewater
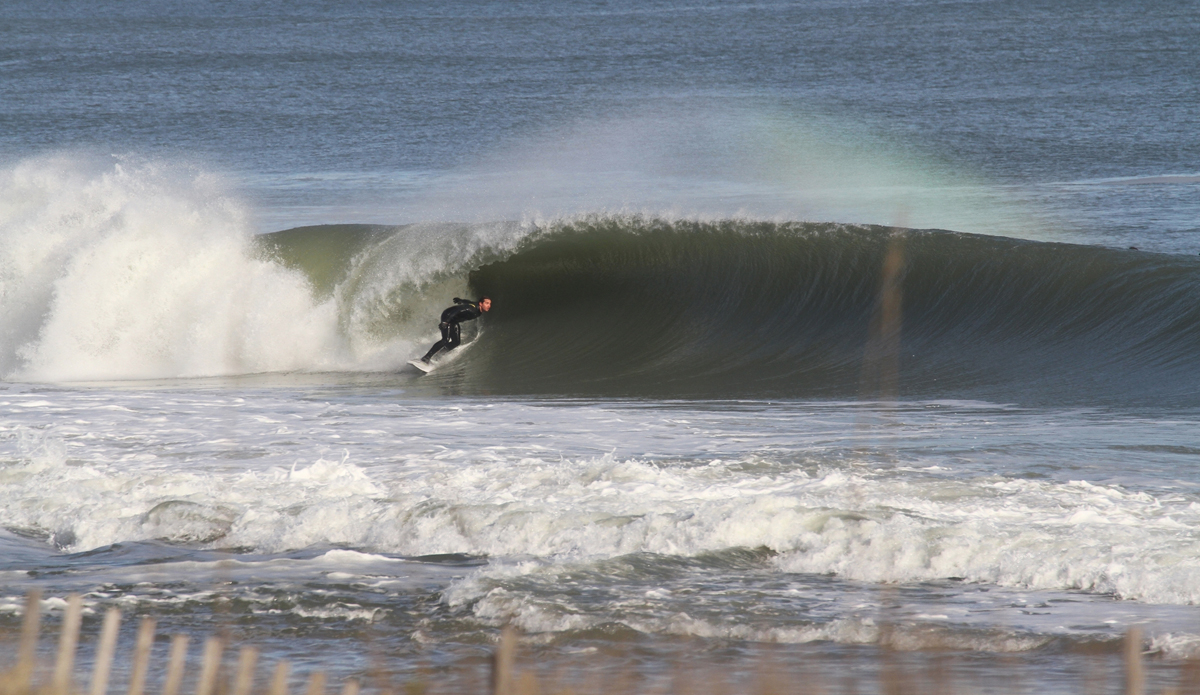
point(824, 334)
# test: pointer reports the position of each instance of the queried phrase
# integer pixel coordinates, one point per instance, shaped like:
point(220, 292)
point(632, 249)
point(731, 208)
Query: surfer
point(463, 310)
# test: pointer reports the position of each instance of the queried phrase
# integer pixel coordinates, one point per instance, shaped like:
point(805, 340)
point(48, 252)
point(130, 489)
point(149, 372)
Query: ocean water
point(824, 332)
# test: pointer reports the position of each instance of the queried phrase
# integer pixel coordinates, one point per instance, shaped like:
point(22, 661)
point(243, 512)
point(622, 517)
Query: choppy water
point(816, 325)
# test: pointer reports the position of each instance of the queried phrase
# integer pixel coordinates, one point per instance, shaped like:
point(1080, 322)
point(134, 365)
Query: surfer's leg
point(437, 347)
point(455, 338)
point(434, 350)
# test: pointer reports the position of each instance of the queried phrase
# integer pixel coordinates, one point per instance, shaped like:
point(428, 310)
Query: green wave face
point(732, 308)
point(324, 253)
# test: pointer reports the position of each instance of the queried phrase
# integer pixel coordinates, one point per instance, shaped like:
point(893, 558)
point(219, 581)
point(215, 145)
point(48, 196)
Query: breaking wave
point(132, 273)
point(629, 305)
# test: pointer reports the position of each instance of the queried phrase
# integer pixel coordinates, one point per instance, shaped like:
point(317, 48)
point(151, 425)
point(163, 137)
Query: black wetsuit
point(463, 310)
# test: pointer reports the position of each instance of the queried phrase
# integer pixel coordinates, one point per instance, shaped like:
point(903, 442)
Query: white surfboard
point(445, 357)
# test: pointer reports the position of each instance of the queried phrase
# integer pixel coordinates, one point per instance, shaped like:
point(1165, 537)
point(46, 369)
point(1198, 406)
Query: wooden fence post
point(105, 651)
point(175, 666)
point(212, 663)
point(503, 661)
point(141, 657)
point(244, 680)
point(67, 642)
point(27, 652)
point(1135, 676)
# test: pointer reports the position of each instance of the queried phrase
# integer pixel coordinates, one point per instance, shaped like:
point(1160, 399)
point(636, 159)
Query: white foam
point(1179, 645)
point(405, 490)
point(348, 613)
point(129, 269)
point(1020, 533)
point(542, 617)
point(125, 269)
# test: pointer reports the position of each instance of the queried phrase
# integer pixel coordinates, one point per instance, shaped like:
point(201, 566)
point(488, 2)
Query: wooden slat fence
point(24, 677)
